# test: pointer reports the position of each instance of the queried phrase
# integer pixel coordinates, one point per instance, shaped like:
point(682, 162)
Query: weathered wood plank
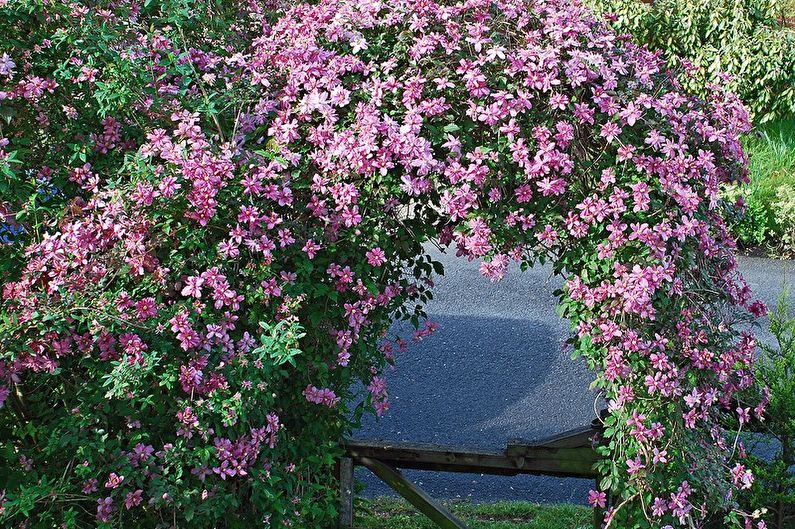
point(346, 492)
point(413, 494)
point(576, 438)
point(517, 459)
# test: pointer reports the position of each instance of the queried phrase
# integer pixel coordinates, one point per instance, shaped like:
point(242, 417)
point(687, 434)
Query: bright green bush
point(784, 209)
point(743, 38)
point(748, 220)
point(759, 213)
point(774, 488)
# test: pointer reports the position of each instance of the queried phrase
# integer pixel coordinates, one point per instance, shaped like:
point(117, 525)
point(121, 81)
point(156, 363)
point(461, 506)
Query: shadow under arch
point(494, 370)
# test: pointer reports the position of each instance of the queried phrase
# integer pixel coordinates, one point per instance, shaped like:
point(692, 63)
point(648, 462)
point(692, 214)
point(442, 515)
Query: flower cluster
point(239, 273)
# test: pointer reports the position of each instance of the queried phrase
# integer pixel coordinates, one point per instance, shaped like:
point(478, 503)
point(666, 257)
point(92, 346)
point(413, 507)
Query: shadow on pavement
point(478, 382)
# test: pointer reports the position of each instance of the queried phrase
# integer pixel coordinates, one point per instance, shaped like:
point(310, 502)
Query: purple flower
point(104, 509)
point(133, 499)
point(323, 396)
point(90, 486)
point(597, 498)
point(376, 257)
point(6, 65)
point(114, 481)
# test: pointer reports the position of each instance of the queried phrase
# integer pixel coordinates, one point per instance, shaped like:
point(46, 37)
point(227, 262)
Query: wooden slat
point(565, 462)
point(576, 438)
point(569, 454)
point(413, 494)
point(517, 459)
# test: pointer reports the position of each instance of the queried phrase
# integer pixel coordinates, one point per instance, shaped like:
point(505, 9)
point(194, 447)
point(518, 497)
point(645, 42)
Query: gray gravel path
point(496, 370)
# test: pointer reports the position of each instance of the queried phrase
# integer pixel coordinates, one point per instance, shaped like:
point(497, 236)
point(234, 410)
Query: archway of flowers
point(225, 288)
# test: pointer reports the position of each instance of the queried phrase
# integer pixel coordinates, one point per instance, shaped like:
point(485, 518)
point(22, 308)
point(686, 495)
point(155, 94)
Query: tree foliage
point(739, 44)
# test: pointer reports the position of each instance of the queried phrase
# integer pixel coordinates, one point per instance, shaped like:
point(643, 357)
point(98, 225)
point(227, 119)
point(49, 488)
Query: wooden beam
point(413, 494)
point(346, 492)
point(576, 438)
point(565, 462)
point(516, 459)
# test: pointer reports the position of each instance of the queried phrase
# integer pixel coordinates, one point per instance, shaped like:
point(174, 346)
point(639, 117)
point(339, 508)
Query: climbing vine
point(184, 339)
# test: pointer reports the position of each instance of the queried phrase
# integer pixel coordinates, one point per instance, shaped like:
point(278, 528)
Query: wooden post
point(413, 494)
point(346, 492)
point(598, 512)
point(598, 517)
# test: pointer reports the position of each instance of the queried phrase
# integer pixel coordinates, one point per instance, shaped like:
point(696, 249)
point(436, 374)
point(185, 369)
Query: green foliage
point(747, 218)
point(765, 215)
point(784, 209)
point(81, 439)
point(743, 38)
point(774, 488)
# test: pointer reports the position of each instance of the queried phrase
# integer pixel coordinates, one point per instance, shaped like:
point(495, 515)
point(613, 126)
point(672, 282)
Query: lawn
point(769, 222)
point(771, 150)
point(390, 513)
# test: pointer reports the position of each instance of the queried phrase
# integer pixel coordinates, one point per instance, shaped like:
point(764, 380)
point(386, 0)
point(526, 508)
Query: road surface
point(496, 370)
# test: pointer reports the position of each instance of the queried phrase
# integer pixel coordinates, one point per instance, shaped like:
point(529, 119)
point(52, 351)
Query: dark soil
point(753, 251)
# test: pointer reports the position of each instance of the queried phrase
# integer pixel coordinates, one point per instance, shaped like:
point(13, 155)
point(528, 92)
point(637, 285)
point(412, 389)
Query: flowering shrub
point(74, 92)
point(280, 194)
point(106, 419)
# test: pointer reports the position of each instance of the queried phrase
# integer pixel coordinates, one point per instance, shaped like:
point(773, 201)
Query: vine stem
point(200, 82)
point(620, 505)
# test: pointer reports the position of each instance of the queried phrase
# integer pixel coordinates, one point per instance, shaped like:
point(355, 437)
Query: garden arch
point(517, 133)
point(294, 213)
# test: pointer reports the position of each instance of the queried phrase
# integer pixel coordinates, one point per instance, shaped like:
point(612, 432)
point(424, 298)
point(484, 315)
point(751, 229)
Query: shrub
point(784, 209)
point(774, 488)
point(709, 38)
point(71, 94)
point(747, 219)
point(762, 217)
point(106, 419)
point(290, 172)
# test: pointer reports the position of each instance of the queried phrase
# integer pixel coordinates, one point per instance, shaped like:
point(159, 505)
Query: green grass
point(390, 513)
point(771, 150)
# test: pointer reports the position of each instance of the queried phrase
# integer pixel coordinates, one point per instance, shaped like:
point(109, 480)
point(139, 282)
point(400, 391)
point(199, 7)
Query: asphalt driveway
point(496, 370)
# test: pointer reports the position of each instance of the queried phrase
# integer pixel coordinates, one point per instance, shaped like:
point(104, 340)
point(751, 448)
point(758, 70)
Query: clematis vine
point(240, 271)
